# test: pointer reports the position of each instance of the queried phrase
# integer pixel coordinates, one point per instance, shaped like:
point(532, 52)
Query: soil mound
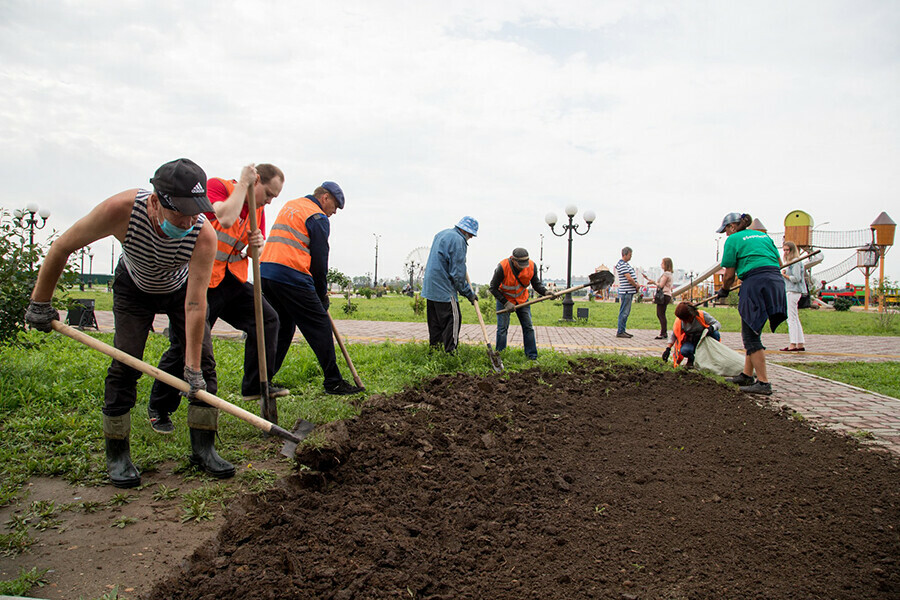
point(604, 482)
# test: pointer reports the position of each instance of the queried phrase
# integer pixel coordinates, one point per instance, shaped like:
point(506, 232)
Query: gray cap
point(728, 220)
point(520, 255)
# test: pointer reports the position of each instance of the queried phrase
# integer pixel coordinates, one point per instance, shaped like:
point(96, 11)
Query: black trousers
point(231, 301)
point(300, 308)
point(134, 311)
point(443, 324)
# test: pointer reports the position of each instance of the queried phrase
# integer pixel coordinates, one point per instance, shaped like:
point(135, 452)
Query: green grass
point(23, 583)
point(393, 307)
point(881, 377)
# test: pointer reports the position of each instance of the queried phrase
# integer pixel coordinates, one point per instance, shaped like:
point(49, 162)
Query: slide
point(698, 279)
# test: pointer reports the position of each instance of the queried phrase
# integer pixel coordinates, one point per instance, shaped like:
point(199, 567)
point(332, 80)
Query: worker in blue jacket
point(445, 276)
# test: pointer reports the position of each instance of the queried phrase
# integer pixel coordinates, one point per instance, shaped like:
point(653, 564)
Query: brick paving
point(875, 418)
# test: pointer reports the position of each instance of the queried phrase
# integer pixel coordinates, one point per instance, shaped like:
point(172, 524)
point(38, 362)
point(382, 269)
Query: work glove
point(40, 314)
point(326, 301)
point(196, 381)
point(666, 354)
point(710, 330)
point(509, 305)
point(722, 293)
point(471, 298)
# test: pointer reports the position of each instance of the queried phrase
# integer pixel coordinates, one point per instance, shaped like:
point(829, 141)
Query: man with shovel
point(168, 248)
point(230, 295)
point(445, 275)
point(509, 286)
point(294, 267)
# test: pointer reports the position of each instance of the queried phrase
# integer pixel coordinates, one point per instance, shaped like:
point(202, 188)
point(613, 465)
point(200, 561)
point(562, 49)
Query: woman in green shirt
point(752, 257)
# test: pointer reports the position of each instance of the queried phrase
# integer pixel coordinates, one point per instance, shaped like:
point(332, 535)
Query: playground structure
point(870, 246)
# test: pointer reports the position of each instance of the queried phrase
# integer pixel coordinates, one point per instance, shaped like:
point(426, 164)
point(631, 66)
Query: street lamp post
point(550, 219)
point(91, 270)
point(375, 279)
point(27, 217)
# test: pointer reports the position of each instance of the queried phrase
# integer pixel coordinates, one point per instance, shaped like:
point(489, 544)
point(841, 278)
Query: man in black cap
point(509, 286)
point(294, 270)
point(168, 248)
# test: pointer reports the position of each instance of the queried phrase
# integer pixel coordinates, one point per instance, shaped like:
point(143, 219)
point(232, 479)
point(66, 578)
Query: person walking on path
point(168, 248)
point(664, 283)
point(294, 270)
point(445, 276)
point(794, 286)
point(689, 326)
point(230, 295)
point(628, 286)
point(753, 258)
point(509, 285)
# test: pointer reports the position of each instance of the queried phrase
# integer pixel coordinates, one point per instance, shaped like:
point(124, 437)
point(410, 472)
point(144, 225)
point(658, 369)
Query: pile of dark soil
point(605, 482)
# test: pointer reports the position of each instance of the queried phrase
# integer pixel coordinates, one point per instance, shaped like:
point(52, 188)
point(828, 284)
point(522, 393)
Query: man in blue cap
point(445, 275)
point(294, 269)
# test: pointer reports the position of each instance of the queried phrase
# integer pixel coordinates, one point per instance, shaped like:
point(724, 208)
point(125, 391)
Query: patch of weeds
point(113, 594)
point(197, 511)
point(257, 480)
point(15, 543)
point(210, 494)
point(90, 506)
point(541, 381)
point(120, 499)
point(164, 492)
point(797, 416)
point(863, 434)
point(123, 522)
point(23, 582)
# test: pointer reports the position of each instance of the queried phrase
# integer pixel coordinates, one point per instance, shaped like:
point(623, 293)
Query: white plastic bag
point(715, 356)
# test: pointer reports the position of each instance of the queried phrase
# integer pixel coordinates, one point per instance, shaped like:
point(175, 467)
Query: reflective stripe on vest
point(679, 338)
point(288, 241)
point(230, 243)
point(515, 289)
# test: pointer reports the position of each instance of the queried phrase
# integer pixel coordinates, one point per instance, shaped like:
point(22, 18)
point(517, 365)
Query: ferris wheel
point(414, 265)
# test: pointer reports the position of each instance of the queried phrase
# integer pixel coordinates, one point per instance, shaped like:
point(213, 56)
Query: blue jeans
point(624, 310)
point(689, 346)
point(528, 337)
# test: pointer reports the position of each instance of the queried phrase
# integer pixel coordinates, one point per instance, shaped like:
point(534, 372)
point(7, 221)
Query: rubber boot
point(122, 472)
point(203, 423)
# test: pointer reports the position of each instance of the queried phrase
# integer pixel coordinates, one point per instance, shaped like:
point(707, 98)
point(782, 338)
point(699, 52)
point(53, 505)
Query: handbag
point(659, 297)
point(804, 301)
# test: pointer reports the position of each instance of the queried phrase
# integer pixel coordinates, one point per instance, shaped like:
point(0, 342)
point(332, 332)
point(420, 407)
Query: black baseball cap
point(180, 185)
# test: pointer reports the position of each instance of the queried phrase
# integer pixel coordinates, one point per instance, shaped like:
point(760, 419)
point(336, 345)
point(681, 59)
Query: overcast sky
point(659, 116)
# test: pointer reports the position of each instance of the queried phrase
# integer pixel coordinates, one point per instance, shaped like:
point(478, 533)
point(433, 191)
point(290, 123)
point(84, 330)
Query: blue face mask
point(174, 232)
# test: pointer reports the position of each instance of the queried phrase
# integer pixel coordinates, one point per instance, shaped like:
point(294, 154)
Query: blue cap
point(728, 220)
point(469, 225)
point(336, 191)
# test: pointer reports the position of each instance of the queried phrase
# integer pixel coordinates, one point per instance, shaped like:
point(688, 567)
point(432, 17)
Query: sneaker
point(742, 379)
point(343, 389)
point(758, 388)
point(160, 421)
point(661, 336)
point(275, 391)
point(624, 334)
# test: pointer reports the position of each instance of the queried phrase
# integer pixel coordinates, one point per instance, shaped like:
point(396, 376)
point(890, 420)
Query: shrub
point(842, 304)
point(418, 304)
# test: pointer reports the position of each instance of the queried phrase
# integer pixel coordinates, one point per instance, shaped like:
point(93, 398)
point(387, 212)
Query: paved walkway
point(823, 402)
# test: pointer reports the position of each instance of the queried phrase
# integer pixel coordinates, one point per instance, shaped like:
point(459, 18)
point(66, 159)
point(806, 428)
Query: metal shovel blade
point(496, 361)
point(302, 428)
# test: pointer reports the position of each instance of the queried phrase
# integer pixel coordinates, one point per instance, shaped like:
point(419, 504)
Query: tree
point(18, 271)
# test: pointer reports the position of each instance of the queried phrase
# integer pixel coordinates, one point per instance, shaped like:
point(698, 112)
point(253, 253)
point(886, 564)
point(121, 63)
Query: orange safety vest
point(230, 243)
point(679, 338)
point(515, 289)
point(288, 241)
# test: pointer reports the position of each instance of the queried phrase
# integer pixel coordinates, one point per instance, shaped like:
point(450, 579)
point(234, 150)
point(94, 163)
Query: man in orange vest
point(510, 287)
point(294, 267)
point(230, 295)
point(686, 334)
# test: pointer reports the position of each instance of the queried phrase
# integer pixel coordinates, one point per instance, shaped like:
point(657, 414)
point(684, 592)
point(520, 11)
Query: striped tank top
point(158, 265)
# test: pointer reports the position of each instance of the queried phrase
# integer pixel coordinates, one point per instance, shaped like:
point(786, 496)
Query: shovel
point(292, 437)
point(598, 281)
point(496, 362)
point(346, 354)
point(268, 406)
point(793, 262)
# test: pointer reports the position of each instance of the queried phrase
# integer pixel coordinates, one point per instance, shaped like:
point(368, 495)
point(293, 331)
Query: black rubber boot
point(203, 424)
point(122, 472)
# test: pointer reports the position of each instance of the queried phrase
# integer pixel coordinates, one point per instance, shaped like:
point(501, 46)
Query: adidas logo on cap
point(198, 189)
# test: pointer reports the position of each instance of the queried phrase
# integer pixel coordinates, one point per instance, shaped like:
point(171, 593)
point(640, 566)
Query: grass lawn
point(395, 307)
point(881, 377)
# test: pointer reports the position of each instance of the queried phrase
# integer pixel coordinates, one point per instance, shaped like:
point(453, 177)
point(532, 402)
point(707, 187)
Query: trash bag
point(715, 356)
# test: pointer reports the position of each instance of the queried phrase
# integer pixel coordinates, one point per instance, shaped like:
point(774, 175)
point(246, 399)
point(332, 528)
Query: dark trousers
point(661, 315)
point(134, 311)
point(231, 301)
point(300, 308)
point(443, 324)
